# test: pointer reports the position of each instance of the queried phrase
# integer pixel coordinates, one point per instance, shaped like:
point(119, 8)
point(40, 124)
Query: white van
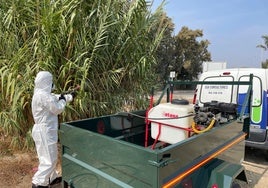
point(236, 94)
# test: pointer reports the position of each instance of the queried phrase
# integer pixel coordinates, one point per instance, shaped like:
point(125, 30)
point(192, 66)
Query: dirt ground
point(16, 170)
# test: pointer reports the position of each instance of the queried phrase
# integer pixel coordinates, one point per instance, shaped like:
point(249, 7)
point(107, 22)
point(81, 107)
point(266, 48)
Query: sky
point(233, 27)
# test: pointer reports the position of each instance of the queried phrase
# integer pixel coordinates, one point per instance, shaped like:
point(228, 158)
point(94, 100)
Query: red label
point(170, 115)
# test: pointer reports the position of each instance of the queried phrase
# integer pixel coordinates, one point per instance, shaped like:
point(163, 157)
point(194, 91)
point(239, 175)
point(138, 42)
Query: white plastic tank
point(170, 113)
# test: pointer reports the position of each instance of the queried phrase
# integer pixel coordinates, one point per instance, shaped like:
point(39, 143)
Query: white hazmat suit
point(45, 109)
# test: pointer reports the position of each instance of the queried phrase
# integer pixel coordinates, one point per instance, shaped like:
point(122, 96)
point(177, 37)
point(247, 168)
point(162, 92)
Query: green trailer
point(119, 150)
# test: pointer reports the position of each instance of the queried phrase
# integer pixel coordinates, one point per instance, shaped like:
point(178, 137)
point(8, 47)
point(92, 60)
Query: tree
point(183, 53)
point(265, 47)
point(165, 51)
point(190, 52)
point(265, 64)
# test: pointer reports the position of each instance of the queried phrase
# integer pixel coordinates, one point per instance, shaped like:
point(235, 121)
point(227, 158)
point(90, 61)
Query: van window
point(221, 93)
point(256, 88)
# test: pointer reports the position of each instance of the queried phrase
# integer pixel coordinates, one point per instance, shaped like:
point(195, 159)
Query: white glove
point(68, 97)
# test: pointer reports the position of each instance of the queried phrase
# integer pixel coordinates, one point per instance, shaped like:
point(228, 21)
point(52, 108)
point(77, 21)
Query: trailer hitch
point(166, 159)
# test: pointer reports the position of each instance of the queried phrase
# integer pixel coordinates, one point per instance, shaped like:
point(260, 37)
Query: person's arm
point(56, 105)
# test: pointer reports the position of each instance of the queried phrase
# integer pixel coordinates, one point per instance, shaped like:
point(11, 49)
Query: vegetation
point(190, 53)
point(265, 47)
point(166, 51)
point(106, 46)
point(116, 50)
point(265, 64)
point(183, 53)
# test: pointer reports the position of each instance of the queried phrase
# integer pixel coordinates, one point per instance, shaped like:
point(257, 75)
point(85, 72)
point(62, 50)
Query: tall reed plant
point(105, 46)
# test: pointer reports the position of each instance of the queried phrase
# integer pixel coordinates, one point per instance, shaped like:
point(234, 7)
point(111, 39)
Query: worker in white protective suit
point(45, 108)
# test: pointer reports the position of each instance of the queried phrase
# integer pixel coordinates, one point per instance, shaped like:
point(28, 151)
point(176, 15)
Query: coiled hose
point(204, 130)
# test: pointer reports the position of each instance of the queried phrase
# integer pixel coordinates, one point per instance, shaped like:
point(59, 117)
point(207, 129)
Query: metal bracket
point(163, 162)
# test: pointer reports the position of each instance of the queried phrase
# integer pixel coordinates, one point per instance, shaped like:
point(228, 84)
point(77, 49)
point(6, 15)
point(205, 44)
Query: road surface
point(256, 168)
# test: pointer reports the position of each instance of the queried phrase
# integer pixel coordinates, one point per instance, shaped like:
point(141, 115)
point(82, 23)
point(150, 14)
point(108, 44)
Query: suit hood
point(43, 82)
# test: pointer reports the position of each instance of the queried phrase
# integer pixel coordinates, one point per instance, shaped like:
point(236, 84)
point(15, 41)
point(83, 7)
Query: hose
point(204, 130)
